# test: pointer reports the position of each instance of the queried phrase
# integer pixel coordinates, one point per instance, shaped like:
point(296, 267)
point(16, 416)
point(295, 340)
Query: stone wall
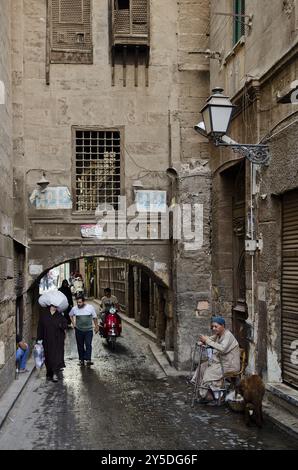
point(7, 302)
point(191, 267)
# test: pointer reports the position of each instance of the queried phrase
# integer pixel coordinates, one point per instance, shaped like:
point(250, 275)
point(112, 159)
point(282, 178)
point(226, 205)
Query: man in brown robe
point(51, 330)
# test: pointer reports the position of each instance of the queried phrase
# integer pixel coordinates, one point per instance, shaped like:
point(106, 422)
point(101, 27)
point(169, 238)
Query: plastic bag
point(54, 297)
point(233, 397)
point(38, 354)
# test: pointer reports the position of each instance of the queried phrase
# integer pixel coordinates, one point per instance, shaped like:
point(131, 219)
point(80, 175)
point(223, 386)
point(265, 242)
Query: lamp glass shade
point(217, 113)
point(207, 120)
point(220, 117)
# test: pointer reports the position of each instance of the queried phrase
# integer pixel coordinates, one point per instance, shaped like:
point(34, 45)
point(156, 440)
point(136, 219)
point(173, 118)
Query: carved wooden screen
point(131, 22)
point(70, 31)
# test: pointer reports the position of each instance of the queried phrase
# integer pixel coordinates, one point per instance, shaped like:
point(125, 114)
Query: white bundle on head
point(56, 298)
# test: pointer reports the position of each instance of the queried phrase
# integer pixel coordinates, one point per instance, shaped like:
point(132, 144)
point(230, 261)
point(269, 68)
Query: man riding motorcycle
point(107, 301)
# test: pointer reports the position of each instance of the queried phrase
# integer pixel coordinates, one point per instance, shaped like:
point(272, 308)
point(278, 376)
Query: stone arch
point(46, 257)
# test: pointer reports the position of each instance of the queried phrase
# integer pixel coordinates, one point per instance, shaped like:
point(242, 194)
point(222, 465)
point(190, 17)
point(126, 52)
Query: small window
point(122, 4)
point(239, 20)
point(80, 38)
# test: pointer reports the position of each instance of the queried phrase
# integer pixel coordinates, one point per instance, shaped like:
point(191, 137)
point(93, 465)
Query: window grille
point(98, 167)
point(239, 21)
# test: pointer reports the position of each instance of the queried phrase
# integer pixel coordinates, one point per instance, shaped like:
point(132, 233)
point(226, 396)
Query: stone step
point(283, 397)
point(282, 418)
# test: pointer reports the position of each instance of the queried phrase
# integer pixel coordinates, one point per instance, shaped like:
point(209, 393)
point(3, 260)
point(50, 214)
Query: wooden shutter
point(131, 25)
point(290, 286)
point(139, 17)
point(71, 31)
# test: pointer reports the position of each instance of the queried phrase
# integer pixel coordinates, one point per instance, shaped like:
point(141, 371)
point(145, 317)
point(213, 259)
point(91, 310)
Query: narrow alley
point(124, 401)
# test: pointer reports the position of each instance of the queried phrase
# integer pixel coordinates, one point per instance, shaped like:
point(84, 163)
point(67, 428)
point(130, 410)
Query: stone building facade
point(255, 61)
point(75, 76)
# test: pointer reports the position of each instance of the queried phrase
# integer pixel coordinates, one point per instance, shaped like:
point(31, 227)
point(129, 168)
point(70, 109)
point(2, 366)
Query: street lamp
point(217, 115)
point(43, 183)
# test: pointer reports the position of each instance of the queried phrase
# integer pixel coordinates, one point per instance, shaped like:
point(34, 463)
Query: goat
point(252, 389)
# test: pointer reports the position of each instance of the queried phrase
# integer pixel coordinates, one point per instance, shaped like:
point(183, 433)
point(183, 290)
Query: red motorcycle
point(111, 327)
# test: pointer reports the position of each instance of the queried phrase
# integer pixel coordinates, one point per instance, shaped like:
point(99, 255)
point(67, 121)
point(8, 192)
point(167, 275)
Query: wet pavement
point(125, 401)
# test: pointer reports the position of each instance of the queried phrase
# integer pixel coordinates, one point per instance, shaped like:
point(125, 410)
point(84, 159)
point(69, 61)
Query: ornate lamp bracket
point(257, 154)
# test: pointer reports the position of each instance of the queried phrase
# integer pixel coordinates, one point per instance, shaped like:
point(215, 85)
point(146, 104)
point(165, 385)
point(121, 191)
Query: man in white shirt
point(83, 316)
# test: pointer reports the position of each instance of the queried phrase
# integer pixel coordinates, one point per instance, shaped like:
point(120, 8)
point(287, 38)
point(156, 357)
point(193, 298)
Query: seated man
point(22, 353)
point(225, 358)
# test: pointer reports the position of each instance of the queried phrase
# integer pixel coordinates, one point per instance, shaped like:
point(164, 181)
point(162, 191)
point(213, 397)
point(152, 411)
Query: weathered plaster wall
point(270, 37)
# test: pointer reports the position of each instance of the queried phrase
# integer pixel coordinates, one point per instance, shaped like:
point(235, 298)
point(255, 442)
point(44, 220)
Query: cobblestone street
point(124, 402)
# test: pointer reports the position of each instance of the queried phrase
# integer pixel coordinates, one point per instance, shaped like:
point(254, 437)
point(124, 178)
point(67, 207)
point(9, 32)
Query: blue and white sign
point(52, 198)
point(151, 201)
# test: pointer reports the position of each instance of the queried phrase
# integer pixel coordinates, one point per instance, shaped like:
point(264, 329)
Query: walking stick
point(198, 373)
point(193, 356)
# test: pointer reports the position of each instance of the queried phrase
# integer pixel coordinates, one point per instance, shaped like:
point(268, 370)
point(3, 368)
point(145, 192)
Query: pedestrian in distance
point(65, 289)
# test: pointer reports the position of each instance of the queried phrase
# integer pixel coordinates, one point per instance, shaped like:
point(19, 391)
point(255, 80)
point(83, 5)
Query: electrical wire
point(146, 171)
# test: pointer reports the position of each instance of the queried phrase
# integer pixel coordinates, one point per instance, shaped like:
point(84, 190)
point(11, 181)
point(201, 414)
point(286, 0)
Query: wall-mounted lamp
point(172, 173)
point(217, 115)
point(137, 184)
point(43, 183)
point(200, 129)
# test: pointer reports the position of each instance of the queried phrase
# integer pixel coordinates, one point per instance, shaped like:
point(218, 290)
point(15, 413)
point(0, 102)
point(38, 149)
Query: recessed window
point(80, 38)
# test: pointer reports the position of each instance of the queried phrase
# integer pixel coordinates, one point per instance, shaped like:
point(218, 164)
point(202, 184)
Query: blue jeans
point(84, 344)
point(22, 356)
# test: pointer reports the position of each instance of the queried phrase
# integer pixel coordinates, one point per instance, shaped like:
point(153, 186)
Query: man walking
point(83, 316)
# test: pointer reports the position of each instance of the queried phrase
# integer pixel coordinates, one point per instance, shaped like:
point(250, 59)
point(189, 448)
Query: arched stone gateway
point(148, 298)
point(154, 258)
